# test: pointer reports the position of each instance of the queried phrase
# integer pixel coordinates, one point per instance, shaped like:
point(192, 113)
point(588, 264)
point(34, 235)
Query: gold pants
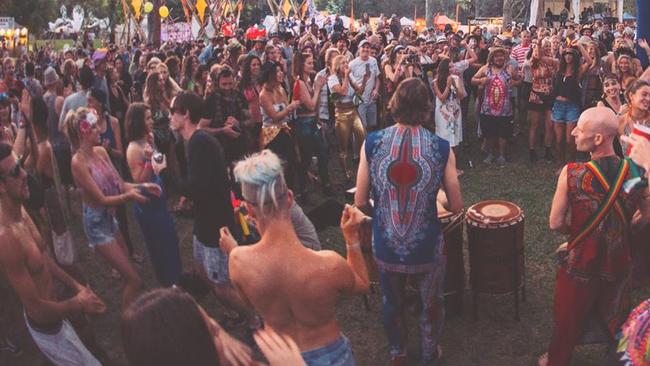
point(347, 123)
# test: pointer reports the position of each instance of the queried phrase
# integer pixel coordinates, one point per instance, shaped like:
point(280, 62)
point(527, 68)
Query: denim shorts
point(338, 353)
point(213, 260)
point(565, 112)
point(100, 225)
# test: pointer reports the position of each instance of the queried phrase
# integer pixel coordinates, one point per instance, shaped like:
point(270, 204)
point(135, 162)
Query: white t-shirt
point(333, 81)
point(358, 69)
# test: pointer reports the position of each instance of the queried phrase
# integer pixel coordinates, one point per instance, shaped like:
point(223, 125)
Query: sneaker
point(501, 161)
point(533, 156)
point(10, 347)
point(489, 159)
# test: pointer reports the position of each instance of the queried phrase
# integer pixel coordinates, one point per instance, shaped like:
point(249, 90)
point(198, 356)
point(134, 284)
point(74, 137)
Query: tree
point(514, 10)
point(23, 12)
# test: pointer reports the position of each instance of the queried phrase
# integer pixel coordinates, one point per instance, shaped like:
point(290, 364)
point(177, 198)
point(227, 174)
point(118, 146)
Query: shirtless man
point(293, 288)
point(30, 271)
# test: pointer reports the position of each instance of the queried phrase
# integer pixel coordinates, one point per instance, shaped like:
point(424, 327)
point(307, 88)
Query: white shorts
point(63, 348)
point(213, 260)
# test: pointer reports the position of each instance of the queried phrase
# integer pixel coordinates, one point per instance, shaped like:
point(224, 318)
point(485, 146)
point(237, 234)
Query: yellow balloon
point(148, 7)
point(163, 11)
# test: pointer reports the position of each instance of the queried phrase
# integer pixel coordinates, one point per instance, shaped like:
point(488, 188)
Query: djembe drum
point(452, 228)
point(495, 236)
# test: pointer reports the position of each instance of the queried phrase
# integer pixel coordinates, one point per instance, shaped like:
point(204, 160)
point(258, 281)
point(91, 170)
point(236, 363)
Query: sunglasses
point(15, 170)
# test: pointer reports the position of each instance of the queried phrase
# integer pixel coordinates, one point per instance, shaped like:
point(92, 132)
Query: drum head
point(494, 213)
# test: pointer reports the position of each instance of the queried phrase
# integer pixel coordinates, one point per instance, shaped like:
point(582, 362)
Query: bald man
point(594, 265)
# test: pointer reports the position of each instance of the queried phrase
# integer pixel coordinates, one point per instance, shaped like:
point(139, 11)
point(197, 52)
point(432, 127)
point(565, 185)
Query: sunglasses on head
point(14, 172)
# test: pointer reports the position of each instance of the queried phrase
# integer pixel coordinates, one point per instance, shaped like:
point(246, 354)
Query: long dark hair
point(443, 73)
point(268, 73)
point(246, 75)
point(134, 121)
point(564, 65)
point(164, 327)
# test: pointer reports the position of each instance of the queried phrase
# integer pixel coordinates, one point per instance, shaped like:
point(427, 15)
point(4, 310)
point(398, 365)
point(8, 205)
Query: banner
point(200, 8)
point(137, 6)
point(176, 32)
point(286, 7)
point(186, 10)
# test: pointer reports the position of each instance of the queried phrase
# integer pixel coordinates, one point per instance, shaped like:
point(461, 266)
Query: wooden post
point(642, 26)
point(156, 24)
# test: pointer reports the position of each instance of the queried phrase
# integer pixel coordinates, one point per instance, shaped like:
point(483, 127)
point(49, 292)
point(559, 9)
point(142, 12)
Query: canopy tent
point(406, 22)
point(538, 8)
point(441, 20)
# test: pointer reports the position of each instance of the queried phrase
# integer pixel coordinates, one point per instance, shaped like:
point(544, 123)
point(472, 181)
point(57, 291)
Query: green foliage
point(23, 12)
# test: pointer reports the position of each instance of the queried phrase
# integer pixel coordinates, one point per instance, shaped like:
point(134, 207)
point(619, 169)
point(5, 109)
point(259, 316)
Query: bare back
point(293, 288)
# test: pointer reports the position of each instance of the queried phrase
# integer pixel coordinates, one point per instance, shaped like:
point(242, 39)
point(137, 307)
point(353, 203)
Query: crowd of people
point(238, 133)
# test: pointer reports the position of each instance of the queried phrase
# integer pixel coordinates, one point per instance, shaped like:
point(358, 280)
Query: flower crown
point(87, 123)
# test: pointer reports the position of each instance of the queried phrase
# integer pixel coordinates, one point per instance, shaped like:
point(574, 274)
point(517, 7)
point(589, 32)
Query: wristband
point(356, 245)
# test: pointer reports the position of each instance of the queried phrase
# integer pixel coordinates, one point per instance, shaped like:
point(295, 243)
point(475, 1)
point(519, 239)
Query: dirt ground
point(495, 339)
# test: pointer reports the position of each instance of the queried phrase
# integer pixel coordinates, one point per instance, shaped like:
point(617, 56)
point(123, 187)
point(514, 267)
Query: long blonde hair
point(71, 125)
point(336, 64)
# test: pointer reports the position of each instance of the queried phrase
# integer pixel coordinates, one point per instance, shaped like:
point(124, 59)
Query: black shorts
point(544, 107)
point(496, 127)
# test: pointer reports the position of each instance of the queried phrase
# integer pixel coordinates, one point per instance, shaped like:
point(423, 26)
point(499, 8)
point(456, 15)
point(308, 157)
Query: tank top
point(569, 88)
point(267, 121)
point(303, 110)
point(406, 165)
point(497, 94)
point(106, 177)
point(55, 135)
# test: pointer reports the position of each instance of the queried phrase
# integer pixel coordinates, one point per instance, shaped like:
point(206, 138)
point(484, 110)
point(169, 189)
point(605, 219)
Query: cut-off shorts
point(100, 225)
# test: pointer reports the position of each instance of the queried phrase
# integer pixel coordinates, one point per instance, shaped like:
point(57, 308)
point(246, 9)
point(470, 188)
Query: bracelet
point(353, 246)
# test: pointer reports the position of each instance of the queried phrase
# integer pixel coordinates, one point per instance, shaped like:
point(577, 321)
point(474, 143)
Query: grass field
point(494, 340)
point(58, 44)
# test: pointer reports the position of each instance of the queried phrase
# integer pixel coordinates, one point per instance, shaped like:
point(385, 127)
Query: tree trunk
point(112, 9)
point(514, 10)
point(155, 17)
point(643, 26)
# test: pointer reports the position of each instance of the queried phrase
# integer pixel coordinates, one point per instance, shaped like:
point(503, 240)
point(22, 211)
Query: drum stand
point(515, 276)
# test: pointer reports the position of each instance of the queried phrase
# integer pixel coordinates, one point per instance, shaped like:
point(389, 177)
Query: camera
point(158, 157)
point(412, 59)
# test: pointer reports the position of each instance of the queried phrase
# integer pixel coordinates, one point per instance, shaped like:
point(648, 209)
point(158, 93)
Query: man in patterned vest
point(402, 169)
point(591, 206)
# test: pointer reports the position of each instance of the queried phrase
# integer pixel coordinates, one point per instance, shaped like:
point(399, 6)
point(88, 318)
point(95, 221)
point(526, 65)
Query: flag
point(304, 7)
point(200, 8)
point(286, 7)
point(137, 6)
point(186, 10)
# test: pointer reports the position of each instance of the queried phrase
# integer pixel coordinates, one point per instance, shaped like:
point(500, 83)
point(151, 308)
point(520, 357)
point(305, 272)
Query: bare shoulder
point(331, 259)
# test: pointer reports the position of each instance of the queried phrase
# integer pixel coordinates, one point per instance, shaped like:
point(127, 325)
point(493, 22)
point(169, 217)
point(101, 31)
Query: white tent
point(406, 22)
point(537, 10)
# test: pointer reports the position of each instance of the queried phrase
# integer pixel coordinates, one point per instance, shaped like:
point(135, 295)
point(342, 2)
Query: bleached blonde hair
point(263, 184)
